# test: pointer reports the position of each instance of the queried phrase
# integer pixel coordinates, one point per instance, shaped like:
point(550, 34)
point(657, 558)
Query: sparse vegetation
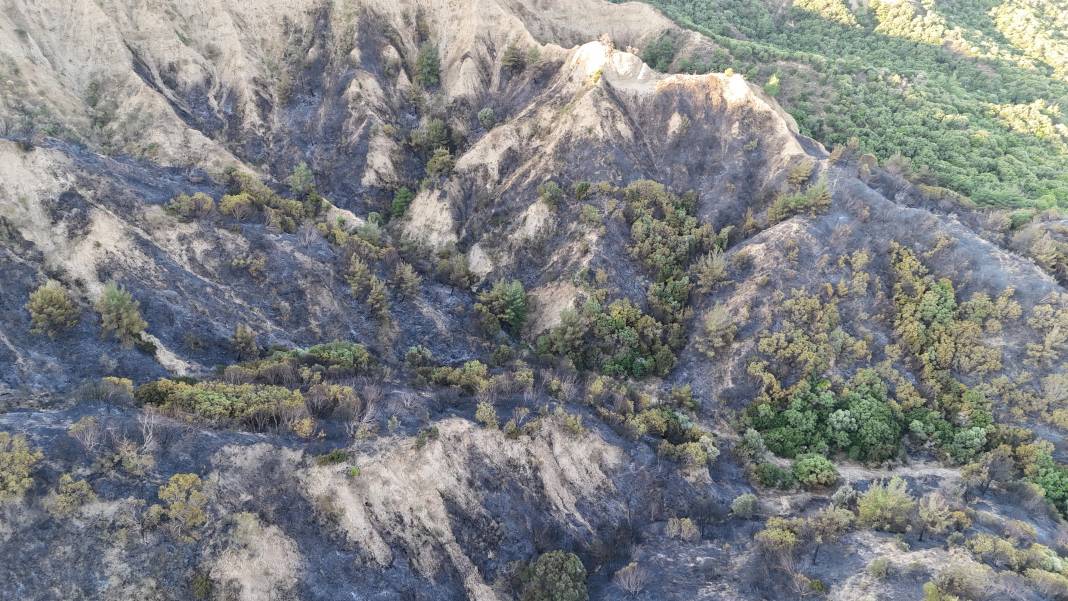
point(244, 342)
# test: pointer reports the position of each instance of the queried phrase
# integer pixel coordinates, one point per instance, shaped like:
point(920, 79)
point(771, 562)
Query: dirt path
point(854, 472)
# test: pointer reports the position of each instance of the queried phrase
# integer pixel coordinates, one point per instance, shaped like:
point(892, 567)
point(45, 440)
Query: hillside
point(541, 301)
point(965, 95)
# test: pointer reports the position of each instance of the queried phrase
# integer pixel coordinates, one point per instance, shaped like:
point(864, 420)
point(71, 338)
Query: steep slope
point(692, 273)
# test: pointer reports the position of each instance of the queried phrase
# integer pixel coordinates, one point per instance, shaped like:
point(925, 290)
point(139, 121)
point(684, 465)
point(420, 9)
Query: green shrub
point(814, 200)
point(256, 406)
point(504, 305)
point(428, 66)
point(554, 576)
point(879, 568)
point(52, 309)
point(780, 537)
point(184, 504)
point(683, 529)
point(349, 356)
point(301, 180)
point(514, 59)
point(239, 206)
point(120, 315)
point(486, 415)
point(69, 496)
point(813, 471)
point(244, 342)
point(472, 376)
point(886, 506)
point(1051, 584)
point(697, 453)
point(202, 586)
point(17, 460)
point(418, 356)
point(407, 280)
point(191, 207)
point(773, 476)
point(571, 421)
point(550, 193)
point(710, 269)
point(487, 118)
point(744, 506)
point(719, 329)
point(426, 435)
point(378, 299)
point(333, 457)
point(401, 199)
point(432, 133)
point(440, 163)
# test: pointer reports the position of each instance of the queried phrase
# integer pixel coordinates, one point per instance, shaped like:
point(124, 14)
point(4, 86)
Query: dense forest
point(963, 94)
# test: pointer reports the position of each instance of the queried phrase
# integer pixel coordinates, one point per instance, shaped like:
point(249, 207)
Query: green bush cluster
point(330, 360)
point(256, 406)
point(619, 340)
point(681, 438)
point(250, 196)
point(472, 376)
point(860, 420)
point(191, 207)
point(815, 199)
point(661, 52)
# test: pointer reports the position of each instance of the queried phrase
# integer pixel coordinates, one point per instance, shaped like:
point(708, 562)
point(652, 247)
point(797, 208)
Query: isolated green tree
point(504, 305)
point(555, 576)
point(120, 314)
point(428, 66)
